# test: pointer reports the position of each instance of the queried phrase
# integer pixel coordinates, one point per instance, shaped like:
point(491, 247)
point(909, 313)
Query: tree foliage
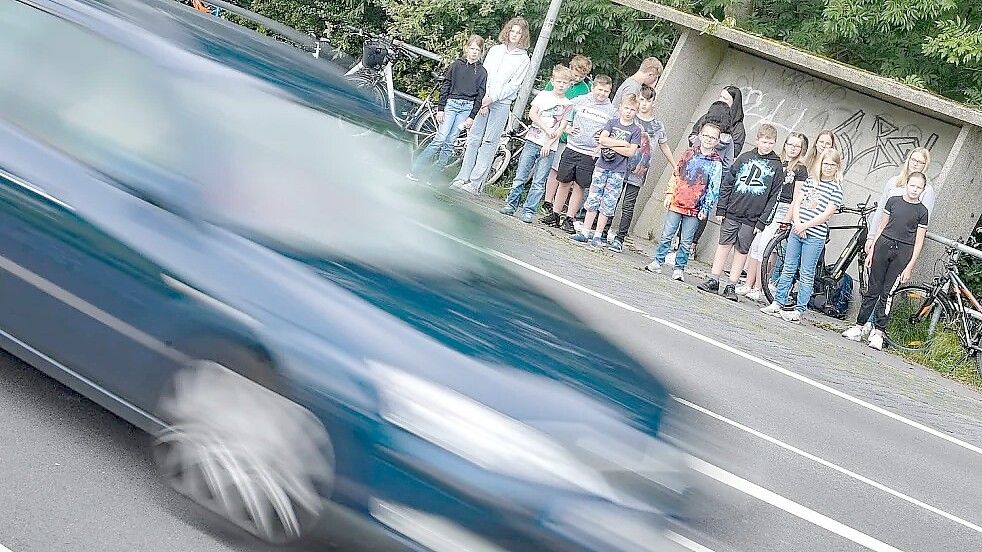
point(615, 37)
point(932, 44)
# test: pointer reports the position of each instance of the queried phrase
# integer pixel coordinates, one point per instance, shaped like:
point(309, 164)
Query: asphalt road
point(807, 442)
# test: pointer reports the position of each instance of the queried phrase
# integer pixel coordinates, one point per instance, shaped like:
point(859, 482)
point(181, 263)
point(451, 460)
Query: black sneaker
point(729, 292)
point(711, 285)
point(567, 225)
point(547, 207)
point(552, 219)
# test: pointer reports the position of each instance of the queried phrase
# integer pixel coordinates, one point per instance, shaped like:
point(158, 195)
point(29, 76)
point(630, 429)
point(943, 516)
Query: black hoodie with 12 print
point(751, 188)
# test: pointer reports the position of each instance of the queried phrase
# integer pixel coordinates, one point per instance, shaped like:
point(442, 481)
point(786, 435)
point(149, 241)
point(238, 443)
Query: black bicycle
point(826, 275)
point(918, 314)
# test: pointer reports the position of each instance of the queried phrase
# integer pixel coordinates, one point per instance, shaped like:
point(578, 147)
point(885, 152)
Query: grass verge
point(946, 355)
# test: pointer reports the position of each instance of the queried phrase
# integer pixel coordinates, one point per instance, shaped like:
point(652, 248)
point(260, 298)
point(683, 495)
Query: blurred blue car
point(228, 258)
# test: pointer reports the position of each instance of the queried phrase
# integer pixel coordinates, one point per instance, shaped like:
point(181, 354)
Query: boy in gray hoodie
point(587, 118)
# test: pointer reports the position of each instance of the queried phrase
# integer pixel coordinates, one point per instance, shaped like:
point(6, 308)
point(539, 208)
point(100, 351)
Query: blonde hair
point(523, 24)
point(651, 65)
point(603, 79)
point(812, 160)
point(905, 171)
point(582, 62)
point(561, 71)
point(474, 39)
point(767, 131)
point(630, 99)
point(830, 154)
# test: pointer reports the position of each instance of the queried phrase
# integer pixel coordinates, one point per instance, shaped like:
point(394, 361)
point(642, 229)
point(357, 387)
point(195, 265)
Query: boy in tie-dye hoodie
point(690, 198)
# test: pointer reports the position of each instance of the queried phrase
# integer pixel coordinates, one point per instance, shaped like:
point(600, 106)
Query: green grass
point(946, 355)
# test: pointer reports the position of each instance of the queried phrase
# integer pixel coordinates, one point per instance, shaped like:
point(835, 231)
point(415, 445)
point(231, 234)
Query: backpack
point(832, 297)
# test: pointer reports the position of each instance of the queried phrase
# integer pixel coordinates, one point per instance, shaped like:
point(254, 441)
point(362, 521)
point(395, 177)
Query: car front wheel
point(244, 452)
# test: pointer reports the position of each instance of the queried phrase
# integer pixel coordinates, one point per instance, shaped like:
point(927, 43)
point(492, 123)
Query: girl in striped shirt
point(813, 205)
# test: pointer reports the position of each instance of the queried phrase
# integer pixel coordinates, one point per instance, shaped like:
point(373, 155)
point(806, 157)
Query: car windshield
point(257, 161)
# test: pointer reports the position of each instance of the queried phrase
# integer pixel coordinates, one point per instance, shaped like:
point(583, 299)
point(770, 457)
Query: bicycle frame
point(955, 287)
point(390, 94)
point(855, 247)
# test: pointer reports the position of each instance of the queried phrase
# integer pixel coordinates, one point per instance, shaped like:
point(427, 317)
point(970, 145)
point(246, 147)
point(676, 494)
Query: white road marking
point(4, 548)
point(828, 464)
point(789, 506)
point(679, 539)
point(765, 363)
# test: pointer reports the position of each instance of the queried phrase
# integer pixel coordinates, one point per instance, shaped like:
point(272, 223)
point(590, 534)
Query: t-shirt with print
point(799, 174)
point(653, 134)
point(631, 133)
point(816, 197)
point(552, 111)
point(905, 219)
point(575, 90)
point(588, 116)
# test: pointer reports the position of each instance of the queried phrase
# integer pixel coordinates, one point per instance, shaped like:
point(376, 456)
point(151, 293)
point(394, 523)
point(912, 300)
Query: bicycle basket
point(375, 54)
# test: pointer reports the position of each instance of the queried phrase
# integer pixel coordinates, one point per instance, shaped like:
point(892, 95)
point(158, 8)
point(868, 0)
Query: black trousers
point(890, 258)
point(629, 198)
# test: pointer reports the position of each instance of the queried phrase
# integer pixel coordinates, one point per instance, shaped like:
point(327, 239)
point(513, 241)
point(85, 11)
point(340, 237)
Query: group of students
point(581, 143)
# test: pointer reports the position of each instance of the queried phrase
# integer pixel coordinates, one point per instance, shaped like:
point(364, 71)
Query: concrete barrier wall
point(874, 136)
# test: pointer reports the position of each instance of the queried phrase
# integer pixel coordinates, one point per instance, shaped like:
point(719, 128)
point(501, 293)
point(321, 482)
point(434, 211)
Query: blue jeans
point(801, 257)
point(673, 221)
point(482, 143)
point(530, 163)
point(454, 115)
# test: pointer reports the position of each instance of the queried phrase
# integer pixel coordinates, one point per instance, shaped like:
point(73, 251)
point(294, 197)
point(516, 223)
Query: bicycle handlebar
point(860, 209)
point(395, 43)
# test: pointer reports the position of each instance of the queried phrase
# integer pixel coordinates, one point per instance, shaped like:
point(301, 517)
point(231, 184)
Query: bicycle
point(826, 275)
point(918, 313)
point(374, 72)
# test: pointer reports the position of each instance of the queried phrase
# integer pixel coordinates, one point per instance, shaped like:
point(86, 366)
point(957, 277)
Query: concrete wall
point(874, 136)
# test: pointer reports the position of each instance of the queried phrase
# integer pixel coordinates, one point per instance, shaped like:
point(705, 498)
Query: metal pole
point(540, 50)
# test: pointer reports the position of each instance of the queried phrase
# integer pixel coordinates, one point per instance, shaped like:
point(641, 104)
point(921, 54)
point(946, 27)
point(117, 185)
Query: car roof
point(317, 83)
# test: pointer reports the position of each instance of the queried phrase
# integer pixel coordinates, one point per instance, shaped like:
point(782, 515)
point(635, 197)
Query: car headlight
point(480, 434)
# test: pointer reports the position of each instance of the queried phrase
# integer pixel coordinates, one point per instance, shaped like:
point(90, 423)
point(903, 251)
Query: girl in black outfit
point(898, 240)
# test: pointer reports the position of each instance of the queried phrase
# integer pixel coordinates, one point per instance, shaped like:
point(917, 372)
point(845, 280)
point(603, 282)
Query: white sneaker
point(653, 266)
point(755, 295)
point(743, 289)
point(854, 333)
point(773, 309)
point(876, 340)
point(791, 315)
point(470, 188)
point(678, 275)
point(456, 184)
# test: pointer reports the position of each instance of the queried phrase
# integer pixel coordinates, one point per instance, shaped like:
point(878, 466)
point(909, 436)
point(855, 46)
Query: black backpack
point(832, 297)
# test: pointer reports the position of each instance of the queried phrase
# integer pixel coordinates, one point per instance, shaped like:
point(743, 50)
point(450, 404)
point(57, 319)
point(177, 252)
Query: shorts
point(760, 242)
point(605, 190)
point(576, 167)
point(558, 156)
point(736, 233)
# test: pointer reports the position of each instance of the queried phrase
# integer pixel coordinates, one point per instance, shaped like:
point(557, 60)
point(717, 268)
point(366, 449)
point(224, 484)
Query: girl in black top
point(795, 173)
point(898, 242)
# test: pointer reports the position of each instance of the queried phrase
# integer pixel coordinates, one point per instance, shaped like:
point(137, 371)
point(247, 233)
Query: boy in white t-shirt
point(548, 116)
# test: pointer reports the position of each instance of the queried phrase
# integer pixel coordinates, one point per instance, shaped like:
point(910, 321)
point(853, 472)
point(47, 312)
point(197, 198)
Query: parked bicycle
point(374, 72)
point(918, 313)
point(827, 275)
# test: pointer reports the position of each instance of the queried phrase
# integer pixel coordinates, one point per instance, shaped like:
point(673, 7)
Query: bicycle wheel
point(914, 317)
point(423, 128)
point(773, 263)
point(365, 80)
point(495, 185)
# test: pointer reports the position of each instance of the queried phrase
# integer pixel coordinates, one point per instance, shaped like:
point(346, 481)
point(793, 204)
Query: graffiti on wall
point(874, 136)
